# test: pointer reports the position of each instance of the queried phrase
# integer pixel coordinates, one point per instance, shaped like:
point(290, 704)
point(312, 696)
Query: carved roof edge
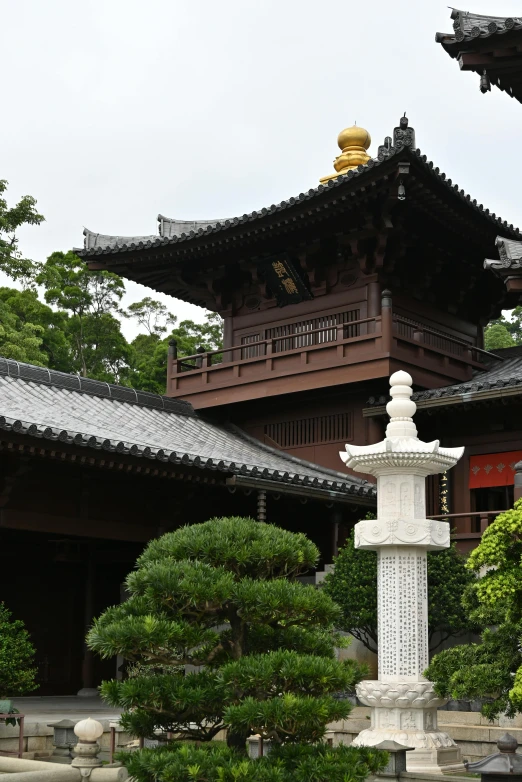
point(468, 26)
point(142, 243)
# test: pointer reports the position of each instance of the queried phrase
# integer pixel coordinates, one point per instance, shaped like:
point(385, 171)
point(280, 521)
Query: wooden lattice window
point(290, 336)
point(337, 427)
point(255, 350)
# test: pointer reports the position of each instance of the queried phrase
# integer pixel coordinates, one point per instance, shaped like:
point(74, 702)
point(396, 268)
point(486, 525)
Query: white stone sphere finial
point(401, 409)
point(88, 730)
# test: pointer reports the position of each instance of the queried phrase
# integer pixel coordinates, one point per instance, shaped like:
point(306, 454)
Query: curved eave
point(238, 226)
point(286, 482)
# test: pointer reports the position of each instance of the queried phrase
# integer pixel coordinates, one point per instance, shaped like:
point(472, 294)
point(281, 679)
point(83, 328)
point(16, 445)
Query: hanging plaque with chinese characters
point(285, 280)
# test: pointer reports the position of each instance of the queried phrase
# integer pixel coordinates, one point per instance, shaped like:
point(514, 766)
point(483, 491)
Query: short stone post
point(404, 704)
point(87, 748)
point(396, 758)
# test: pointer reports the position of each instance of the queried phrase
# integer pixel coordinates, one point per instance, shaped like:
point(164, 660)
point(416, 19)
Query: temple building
point(378, 267)
point(323, 296)
point(92, 471)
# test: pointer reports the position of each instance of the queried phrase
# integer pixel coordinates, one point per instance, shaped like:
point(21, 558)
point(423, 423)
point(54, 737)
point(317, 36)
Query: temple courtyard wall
point(474, 734)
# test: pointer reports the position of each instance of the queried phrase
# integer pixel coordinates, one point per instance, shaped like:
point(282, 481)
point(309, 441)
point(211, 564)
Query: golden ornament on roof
point(353, 143)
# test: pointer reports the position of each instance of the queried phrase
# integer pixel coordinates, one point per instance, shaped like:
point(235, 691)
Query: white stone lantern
point(404, 704)
point(87, 748)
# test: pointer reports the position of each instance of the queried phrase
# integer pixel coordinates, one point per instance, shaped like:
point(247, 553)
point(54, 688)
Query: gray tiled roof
point(505, 374)
point(60, 407)
point(467, 26)
point(212, 228)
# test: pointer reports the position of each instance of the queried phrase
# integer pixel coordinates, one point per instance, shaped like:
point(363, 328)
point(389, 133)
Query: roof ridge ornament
point(353, 143)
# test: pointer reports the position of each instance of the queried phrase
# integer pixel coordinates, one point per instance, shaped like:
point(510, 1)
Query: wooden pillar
point(171, 358)
point(387, 321)
point(88, 615)
point(518, 481)
point(336, 520)
point(228, 339)
point(374, 304)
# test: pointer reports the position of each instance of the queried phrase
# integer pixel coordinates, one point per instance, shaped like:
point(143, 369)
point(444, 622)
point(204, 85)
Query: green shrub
point(17, 671)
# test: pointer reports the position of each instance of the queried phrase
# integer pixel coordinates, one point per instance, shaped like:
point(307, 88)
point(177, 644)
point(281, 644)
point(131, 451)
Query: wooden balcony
point(324, 357)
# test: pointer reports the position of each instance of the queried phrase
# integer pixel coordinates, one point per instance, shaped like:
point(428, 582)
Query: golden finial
point(353, 143)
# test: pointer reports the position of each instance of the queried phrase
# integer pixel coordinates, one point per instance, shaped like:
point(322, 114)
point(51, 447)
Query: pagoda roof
point(100, 244)
point(488, 45)
point(197, 265)
point(63, 409)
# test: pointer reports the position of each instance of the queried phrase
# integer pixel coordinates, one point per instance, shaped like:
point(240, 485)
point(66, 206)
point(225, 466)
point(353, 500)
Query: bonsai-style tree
point(491, 669)
point(353, 586)
point(225, 638)
point(17, 671)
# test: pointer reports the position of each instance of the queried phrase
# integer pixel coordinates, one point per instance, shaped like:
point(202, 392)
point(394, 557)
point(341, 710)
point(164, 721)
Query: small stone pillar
point(397, 758)
point(404, 704)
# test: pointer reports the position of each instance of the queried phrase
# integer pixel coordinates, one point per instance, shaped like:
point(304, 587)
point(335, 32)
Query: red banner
point(493, 469)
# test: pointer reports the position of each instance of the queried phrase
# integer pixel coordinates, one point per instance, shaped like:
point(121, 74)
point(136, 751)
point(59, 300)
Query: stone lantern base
point(406, 712)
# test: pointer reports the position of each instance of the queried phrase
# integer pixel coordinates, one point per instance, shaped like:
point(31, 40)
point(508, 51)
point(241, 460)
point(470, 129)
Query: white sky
point(116, 110)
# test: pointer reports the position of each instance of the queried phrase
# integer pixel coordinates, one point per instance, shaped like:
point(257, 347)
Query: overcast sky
point(116, 110)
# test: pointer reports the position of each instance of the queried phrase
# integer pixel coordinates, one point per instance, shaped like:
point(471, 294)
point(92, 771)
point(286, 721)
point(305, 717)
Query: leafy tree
point(21, 342)
point(91, 298)
point(497, 336)
point(223, 597)
point(190, 336)
point(32, 331)
point(497, 332)
point(152, 315)
point(17, 671)
point(12, 262)
point(491, 669)
point(353, 585)
point(148, 352)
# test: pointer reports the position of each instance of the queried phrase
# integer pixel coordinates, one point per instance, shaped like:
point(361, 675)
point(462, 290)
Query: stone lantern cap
point(63, 732)
point(401, 449)
point(506, 761)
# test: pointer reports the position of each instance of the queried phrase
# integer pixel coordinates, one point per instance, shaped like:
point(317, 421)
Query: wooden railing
point(439, 341)
point(268, 347)
point(301, 354)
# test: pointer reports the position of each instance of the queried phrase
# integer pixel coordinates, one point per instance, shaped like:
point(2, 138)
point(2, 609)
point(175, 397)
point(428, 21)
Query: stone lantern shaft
point(404, 705)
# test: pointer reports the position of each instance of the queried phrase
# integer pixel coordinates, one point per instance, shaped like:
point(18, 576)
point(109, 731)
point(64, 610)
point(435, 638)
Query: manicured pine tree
point(222, 598)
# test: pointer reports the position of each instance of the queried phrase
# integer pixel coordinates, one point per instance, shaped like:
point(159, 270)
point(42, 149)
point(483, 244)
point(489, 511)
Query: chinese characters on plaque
point(285, 280)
